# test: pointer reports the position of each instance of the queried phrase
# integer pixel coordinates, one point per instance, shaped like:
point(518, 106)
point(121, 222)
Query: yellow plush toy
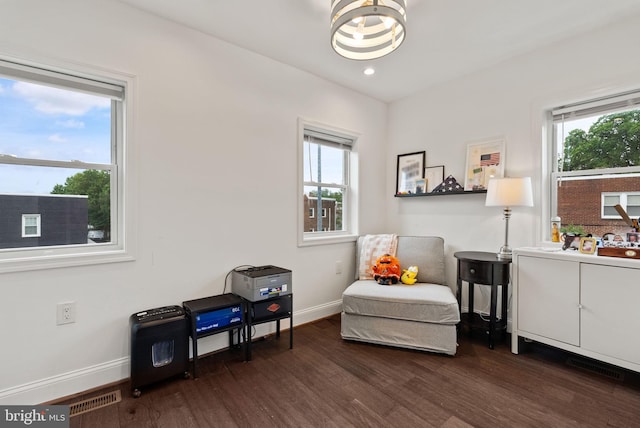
point(409, 276)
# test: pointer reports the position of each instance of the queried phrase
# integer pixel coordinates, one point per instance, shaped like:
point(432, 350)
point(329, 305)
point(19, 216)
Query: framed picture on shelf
point(410, 169)
point(434, 175)
point(421, 184)
point(485, 160)
point(587, 245)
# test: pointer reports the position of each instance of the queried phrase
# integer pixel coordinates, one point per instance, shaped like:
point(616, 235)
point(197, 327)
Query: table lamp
point(507, 193)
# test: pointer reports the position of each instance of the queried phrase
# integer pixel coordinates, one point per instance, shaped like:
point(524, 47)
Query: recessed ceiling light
point(369, 71)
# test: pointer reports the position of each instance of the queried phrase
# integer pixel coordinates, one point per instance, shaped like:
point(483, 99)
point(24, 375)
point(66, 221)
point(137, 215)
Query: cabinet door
point(548, 298)
point(610, 321)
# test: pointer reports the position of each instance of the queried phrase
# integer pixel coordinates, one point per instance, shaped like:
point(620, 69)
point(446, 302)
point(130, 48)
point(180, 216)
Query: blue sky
point(332, 159)
point(41, 122)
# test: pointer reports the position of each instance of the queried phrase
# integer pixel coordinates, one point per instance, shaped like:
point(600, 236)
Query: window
point(595, 162)
point(30, 225)
point(630, 202)
point(326, 158)
point(61, 155)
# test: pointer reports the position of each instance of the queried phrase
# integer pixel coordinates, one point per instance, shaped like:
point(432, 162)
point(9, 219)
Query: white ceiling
point(445, 38)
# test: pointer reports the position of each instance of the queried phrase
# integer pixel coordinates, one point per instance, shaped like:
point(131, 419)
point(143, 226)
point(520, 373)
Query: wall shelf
point(419, 195)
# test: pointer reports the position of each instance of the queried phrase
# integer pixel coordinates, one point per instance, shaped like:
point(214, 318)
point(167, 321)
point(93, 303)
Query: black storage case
point(213, 315)
point(159, 345)
point(272, 309)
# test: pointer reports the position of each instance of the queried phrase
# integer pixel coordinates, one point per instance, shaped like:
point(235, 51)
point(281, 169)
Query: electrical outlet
point(338, 267)
point(66, 313)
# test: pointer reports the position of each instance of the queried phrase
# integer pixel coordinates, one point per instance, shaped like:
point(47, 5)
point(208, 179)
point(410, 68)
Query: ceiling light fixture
point(369, 71)
point(367, 29)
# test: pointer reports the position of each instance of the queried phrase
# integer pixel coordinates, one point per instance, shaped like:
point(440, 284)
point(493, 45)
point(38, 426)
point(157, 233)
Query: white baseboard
point(62, 385)
point(317, 312)
point(76, 381)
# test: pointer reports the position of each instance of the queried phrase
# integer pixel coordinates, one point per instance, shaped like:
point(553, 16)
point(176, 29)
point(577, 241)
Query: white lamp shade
point(509, 192)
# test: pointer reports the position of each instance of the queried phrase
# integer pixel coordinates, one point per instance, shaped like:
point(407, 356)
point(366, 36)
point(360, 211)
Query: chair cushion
point(425, 252)
point(419, 302)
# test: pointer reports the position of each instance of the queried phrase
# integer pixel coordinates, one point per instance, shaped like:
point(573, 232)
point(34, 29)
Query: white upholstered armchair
point(421, 316)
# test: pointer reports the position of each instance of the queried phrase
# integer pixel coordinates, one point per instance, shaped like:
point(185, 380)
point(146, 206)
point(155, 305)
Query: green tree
point(613, 141)
point(326, 193)
point(96, 185)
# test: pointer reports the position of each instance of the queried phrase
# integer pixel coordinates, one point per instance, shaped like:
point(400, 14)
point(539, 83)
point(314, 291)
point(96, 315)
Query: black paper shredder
point(159, 345)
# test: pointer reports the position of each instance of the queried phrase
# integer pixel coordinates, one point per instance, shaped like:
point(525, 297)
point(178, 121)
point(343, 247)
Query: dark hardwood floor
point(327, 382)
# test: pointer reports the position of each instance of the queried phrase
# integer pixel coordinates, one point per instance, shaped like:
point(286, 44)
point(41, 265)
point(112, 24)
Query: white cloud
point(1, 89)
point(57, 138)
point(58, 101)
point(71, 123)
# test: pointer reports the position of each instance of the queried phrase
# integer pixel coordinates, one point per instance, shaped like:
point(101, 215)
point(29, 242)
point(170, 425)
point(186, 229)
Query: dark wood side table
point(476, 267)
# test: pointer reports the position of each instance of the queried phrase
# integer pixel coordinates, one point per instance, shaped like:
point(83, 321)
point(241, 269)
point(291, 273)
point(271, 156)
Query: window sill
point(327, 240)
point(52, 261)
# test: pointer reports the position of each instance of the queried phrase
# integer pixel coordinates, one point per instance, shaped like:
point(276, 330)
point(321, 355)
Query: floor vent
point(94, 403)
point(595, 367)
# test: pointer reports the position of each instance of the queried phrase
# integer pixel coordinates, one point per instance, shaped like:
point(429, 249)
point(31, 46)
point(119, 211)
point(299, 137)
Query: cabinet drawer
point(475, 272)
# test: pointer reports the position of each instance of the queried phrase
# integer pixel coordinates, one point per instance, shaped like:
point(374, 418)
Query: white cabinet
point(610, 323)
point(549, 308)
point(584, 304)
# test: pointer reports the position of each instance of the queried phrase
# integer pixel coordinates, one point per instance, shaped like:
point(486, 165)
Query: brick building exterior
point(580, 203)
point(329, 214)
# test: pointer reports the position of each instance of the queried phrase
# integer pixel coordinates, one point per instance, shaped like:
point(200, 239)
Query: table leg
point(459, 295)
point(505, 307)
point(248, 330)
point(194, 348)
point(470, 305)
point(492, 313)
point(291, 325)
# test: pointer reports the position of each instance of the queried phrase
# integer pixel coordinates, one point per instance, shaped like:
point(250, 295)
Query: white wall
point(505, 100)
point(215, 136)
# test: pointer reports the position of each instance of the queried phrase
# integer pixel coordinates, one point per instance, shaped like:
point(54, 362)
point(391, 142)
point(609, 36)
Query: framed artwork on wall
point(410, 168)
point(434, 175)
point(485, 160)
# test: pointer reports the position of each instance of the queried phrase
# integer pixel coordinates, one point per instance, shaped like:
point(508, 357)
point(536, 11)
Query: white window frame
point(623, 201)
point(349, 189)
point(120, 88)
point(37, 218)
point(602, 106)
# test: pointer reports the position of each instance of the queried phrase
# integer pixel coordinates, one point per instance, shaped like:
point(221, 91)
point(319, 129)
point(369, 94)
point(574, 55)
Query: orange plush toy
point(386, 270)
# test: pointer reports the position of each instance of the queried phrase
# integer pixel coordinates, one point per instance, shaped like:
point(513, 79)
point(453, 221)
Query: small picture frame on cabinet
point(587, 245)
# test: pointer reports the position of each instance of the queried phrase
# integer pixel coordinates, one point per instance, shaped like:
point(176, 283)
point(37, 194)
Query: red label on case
point(273, 307)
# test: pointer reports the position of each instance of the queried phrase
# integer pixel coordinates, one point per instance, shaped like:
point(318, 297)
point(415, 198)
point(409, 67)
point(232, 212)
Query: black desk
point(483, 268)
point(273, 309)
point(195, 308)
